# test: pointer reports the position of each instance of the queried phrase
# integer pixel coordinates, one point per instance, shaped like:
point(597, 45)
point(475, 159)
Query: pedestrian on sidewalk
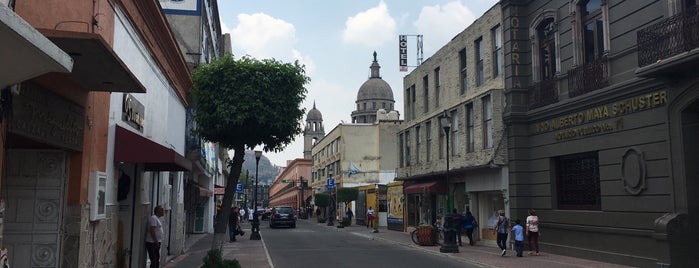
point(233, 223)
point(533, 231)
point(370, 218)
point(251, 215)
point(470, 224)
point(154, 236)
point(519, 238)
point(349, 214)
point(501, 229)
point(458, 224)
point(243, 214)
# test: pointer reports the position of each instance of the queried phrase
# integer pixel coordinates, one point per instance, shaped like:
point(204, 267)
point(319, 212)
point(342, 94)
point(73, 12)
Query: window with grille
point(578, 181)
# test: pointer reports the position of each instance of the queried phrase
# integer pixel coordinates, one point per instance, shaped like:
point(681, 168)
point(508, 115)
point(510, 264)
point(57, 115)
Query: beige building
point(356, 155)
point(462, 83)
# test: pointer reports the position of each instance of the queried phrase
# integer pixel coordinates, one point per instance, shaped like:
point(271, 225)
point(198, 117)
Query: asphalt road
point(316, 245)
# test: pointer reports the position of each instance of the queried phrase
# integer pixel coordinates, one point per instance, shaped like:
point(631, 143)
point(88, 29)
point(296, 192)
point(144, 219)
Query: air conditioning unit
point(97, 195)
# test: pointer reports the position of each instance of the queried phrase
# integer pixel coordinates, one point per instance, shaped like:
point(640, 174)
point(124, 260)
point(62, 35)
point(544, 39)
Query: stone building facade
point(462, 83)
point(602, 126)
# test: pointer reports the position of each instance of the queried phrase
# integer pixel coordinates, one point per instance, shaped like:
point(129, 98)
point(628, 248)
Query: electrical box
point(97, 195)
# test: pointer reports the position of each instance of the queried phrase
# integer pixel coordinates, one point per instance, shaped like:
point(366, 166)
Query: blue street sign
point(331, 183)
point(239, 188)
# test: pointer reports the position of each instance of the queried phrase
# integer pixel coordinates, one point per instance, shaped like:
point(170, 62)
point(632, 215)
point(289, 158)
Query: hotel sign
point(403, 52)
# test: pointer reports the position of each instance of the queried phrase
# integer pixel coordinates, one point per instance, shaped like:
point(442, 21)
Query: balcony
point(543, 93)
point(659, 43)
point(588, 77)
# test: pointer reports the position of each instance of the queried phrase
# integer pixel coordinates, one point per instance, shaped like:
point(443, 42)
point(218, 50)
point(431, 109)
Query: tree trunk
point(231, 182)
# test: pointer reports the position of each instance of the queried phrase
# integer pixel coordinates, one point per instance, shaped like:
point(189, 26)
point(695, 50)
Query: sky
point(336, 39)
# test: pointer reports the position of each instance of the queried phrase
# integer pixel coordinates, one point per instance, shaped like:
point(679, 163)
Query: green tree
point(322, 199)
point(347, 195)
point(244, 103)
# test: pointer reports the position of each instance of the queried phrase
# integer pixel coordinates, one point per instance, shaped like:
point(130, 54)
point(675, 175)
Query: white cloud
point(262, 36)
point(450, 18)
point(370, 28)
point(225, 28)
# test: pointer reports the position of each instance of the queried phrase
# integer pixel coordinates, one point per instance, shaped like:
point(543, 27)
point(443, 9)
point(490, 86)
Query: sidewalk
point(480, 254)
point(253, 253)
point(249, 253)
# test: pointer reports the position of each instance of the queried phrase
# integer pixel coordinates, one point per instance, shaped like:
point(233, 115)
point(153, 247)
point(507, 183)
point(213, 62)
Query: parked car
point(283, 215)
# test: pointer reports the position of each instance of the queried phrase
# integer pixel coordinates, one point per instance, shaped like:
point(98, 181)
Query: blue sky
point(335, 40)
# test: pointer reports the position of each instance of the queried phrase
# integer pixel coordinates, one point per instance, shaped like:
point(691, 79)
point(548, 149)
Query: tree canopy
point(322, 199)
point(347, 195)
point(244, 103)
point(249, 102)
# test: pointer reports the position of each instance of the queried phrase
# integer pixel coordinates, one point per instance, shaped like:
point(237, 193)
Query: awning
point(97, 67)
point(130, 147)
point(205, 192)
point(434, 187)
point(25, 52)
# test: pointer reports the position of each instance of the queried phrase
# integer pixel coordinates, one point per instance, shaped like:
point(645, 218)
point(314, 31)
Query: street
point(313, 244)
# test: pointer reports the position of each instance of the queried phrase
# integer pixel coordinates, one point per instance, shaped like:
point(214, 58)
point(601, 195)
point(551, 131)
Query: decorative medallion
point(633, 171)
point(44, 256)
point(46, 210)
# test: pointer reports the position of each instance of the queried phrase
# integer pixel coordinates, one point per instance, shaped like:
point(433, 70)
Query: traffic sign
point(331, 183)
point(239, 188)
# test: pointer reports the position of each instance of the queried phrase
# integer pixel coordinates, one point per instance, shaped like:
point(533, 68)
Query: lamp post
point(449, 245)
point(255, 234)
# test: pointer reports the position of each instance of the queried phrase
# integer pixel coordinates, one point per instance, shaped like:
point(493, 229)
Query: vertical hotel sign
point(403, 52)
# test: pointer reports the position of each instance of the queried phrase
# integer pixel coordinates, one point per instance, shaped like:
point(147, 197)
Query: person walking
point(533, 232)
point(458, 225)
point(500, 229)
point(470, 224)
point(154, 236)
point(349, 214)
point(243, 214)
point(233, 224)
point(370, 218)
point(251, 215)
point(518, 230)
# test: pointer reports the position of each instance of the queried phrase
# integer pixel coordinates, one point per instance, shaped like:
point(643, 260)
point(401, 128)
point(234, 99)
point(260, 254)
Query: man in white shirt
point(154, 236)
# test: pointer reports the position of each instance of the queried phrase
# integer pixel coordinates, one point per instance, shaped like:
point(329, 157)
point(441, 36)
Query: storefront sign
point(579, 123)
point(45, 117)
point(133, 112)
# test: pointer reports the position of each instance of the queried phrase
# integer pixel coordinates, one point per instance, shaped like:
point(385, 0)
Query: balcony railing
point(669, 37)
point(588, 77)
point(543, 93)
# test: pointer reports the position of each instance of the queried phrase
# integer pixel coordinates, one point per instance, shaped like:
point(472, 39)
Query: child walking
point(519, 238)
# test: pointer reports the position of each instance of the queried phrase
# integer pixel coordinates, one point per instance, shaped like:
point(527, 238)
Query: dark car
point(282, 216)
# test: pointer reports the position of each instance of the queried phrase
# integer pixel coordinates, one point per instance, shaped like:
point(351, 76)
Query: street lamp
point(255, 234)
point(449, 245)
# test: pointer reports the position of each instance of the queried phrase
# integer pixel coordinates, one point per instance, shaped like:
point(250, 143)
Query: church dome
point(314, 114)
point(375, 89)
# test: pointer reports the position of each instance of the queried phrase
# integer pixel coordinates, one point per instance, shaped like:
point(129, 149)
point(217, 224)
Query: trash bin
point(426, 235)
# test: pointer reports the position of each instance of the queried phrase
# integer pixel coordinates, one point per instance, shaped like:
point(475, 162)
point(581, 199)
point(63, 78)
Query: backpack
point(502, 225)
